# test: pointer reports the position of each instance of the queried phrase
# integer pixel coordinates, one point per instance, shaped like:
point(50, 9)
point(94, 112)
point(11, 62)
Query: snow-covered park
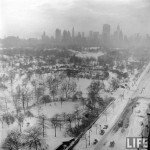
point(54, 103)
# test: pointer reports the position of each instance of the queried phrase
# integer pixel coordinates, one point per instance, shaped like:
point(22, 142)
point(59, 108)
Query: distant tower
point(69, 35)
point(106, 34)
point(58, 35)
point(106, 29)
point(119, 33)
point(118, 27)
point(118, 37)
point(82, 34)
point(79, 35)
point(45, 38)
point(43, 35)
point(73, 32)
point(90, 34)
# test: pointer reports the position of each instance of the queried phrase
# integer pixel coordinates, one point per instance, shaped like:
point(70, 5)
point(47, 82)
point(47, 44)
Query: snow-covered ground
point(82, 85)
point(137, 118)
point(110, 117)
point(89, 54)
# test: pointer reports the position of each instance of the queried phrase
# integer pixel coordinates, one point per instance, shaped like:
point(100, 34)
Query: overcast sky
point(29, 18)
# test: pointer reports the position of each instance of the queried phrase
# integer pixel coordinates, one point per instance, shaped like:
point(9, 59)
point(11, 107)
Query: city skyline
point(26, 18)
point(73, 39)
point(76, 32)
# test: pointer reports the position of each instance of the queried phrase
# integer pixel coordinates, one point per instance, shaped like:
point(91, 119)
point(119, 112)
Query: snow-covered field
point(108, 118)
point(87, 54)
point(90, 54)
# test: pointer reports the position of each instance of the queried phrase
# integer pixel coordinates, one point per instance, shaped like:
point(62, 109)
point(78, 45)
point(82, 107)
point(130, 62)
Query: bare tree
point(39, 93)
point(35, 85)
point(43, 123)
point(33, 138)
point(62, 100)
point(52, 83)
point(77, 114)
point(20, 119)
point(17, 101)
point(70, 118)
point(11, 77)
point(93, 93)
point(55, 122)
point(22, 97)
point(68, 88)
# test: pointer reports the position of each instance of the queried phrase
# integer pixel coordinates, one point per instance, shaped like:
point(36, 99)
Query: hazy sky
point(29, 18)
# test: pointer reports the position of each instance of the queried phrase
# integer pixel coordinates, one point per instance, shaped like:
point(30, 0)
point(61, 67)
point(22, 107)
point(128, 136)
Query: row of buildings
point(73, 39)
point(93, 39)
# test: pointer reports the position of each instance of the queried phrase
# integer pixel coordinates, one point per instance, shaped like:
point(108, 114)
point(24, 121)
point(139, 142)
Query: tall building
point(73, 34)
point(106, 35)
point(118, 37)
point(82, 34)
point(90, 34)
point(118, 34)
point(58, 35)
point(96, 38)
point(69, 35)
point(45, 38)
point(66, 38)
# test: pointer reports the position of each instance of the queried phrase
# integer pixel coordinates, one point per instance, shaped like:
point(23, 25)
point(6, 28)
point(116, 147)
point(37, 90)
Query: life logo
point(136, 142)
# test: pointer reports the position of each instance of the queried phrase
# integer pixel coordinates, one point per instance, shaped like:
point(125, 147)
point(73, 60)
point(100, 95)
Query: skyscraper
point(73, 34)
point(45, 39)
point(106, 35)
point(118, 37)
point(90, 34)
point(58, 35)
point(82, 34)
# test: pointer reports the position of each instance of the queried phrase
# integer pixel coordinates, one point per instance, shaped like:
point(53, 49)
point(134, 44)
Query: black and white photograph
point(74, 74)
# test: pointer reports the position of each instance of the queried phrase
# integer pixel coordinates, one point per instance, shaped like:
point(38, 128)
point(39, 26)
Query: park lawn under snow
point(49, 110)
point(89, 54)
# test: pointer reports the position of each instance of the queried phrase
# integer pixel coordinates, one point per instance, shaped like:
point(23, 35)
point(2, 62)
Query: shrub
point(45, 99)
point(120, 124)
point(85, 122)
point(12, 141)
point(112, 144)
point(8, 118)
point(29, 114)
